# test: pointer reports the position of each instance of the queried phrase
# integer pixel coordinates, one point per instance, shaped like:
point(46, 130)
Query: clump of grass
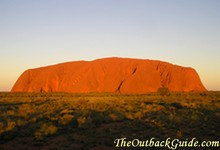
point(113, 117)
point(10, 125)
point(66, 119)
point(46, 129)
point(81, 121)
point(1, 127)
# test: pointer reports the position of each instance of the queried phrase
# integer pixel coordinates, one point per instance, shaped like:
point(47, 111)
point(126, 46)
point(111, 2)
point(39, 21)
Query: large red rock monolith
point(120, 75)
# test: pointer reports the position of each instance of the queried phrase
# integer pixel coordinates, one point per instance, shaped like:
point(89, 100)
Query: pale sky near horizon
point(35, 33)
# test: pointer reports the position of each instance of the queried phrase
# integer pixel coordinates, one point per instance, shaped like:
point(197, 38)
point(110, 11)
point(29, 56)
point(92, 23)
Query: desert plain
point(95, 120)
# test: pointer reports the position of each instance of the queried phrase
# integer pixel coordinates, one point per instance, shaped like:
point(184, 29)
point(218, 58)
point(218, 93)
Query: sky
point(35, 33)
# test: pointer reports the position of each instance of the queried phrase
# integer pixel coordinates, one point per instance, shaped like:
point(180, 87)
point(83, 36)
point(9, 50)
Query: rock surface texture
point(116, 75)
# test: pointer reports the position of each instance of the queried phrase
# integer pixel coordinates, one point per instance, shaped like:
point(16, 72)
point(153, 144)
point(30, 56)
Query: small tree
point(163, 91)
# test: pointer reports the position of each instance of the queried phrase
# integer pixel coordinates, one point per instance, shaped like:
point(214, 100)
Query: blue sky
point(44, 32)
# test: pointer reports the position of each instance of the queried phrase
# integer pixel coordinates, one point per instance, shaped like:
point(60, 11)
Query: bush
point(45, 130)
point(176, 105)
point(163, 91)
point(65, 119)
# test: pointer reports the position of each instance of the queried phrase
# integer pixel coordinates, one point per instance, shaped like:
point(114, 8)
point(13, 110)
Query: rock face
point(117, 75)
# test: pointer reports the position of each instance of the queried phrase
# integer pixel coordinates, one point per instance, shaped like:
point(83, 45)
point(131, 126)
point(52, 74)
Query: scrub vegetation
point(94, 120)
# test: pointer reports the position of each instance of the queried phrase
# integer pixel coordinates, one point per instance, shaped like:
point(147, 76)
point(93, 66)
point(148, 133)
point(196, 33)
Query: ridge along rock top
point(115, 75)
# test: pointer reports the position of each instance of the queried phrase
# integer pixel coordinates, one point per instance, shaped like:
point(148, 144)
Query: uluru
point(115, 75)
